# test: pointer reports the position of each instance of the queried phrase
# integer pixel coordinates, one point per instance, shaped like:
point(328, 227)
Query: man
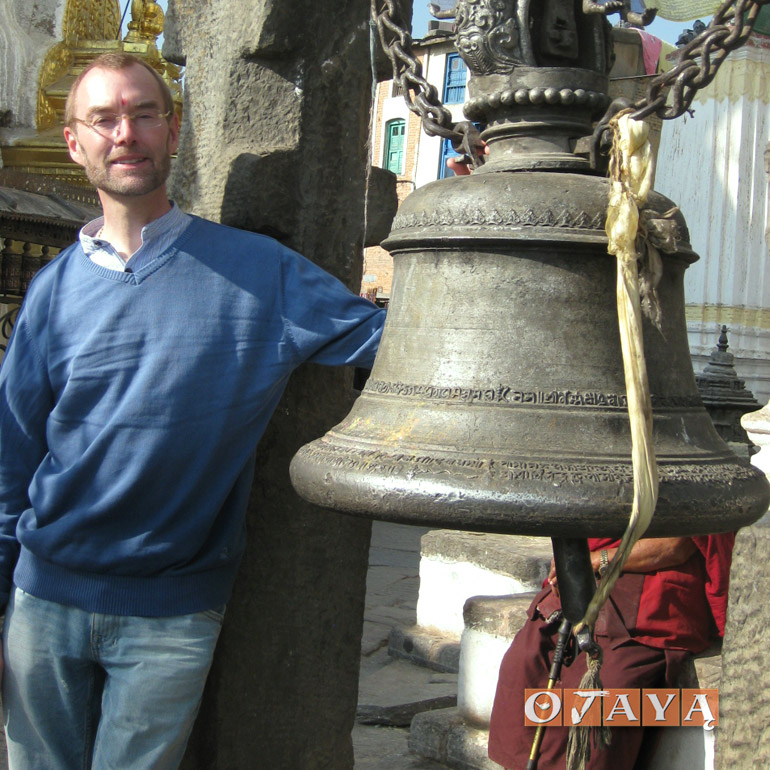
point(128, 430)
point(670, 602)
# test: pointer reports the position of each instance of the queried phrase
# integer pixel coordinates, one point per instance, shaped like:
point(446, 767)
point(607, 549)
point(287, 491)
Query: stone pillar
point(743, 736)
point(276, 121)
point(710, 164)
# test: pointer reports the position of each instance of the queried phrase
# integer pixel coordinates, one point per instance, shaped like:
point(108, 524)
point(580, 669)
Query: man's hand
point(461, 165)
point(553, 582)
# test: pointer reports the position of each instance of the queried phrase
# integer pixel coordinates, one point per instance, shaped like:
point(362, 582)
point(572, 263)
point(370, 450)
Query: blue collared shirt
point(157, 236)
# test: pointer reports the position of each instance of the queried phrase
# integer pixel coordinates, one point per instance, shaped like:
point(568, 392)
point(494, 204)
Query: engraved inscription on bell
point(497, 401)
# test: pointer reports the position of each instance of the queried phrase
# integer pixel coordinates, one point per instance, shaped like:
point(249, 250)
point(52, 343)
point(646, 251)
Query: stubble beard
point(99, 176)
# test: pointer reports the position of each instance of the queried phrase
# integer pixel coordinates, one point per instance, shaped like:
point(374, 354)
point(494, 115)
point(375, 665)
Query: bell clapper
point(575, 576)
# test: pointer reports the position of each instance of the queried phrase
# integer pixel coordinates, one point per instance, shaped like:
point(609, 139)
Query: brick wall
point(378, 264)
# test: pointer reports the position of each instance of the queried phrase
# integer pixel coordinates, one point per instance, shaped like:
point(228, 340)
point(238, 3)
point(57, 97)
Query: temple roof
point(43, 218)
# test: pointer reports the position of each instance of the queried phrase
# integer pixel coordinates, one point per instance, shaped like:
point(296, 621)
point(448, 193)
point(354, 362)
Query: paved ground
point(391, 690)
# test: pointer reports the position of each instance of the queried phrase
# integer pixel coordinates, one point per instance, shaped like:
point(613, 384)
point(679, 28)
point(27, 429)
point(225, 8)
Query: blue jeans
point(84, 690)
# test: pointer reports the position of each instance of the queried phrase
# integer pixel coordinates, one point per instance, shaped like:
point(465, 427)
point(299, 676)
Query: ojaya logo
point(622, 707)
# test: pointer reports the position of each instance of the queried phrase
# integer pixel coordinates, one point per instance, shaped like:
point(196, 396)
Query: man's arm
point(648, 555)
point(327, 323)
point(652, 554)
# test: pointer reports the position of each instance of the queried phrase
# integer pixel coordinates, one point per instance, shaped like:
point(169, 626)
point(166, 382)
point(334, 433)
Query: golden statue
point(89, 28)
point(146, 21)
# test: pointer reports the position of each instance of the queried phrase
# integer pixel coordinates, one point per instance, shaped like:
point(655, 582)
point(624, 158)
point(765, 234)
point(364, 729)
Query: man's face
point(130, 161)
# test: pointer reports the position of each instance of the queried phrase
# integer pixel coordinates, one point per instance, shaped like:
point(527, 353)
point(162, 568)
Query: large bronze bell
point(497, 400)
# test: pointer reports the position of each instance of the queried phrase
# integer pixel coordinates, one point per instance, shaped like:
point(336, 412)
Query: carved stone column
point(273, 140)
point(743, 736)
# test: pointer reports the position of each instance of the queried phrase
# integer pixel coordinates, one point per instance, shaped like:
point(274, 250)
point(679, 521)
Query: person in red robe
point(670, 602)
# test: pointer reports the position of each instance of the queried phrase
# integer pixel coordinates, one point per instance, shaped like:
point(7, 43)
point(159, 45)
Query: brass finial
point(146, 22)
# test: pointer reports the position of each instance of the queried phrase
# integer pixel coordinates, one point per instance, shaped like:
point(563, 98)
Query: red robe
point(680, 607)
point(647, 629)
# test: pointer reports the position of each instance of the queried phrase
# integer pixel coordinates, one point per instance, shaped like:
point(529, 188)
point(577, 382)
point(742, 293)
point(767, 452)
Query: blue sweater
point(131, 405)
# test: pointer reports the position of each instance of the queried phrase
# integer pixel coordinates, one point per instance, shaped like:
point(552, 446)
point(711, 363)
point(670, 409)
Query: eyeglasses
point(107, 123)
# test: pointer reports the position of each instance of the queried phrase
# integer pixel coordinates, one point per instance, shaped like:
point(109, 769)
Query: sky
point(668, 31)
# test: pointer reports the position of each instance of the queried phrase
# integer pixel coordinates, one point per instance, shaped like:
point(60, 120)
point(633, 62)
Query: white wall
point(425, 163)
point(429, 150)
point(712, 166)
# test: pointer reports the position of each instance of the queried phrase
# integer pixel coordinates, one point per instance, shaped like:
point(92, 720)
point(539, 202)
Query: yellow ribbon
point(631, 171)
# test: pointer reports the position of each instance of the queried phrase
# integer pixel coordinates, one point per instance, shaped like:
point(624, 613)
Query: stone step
point(425, 647)
point(490, 625)
point(394, 693)
point(457, 565)
point(445, 736)
point(386, 748)
point(500, 616)
point(491, 622)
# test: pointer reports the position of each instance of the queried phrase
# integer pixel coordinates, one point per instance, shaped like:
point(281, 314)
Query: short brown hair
point(116, 61)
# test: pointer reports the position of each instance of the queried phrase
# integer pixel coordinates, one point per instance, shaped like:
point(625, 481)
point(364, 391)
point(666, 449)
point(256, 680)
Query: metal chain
point(407, 72)
point(729, 29)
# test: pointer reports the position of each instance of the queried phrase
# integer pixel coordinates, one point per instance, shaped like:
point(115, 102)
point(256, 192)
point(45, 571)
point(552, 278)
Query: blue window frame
point(454, 79)
point(447, 151)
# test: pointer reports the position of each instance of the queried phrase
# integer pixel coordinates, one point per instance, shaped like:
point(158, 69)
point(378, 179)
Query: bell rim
point(737, 492)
